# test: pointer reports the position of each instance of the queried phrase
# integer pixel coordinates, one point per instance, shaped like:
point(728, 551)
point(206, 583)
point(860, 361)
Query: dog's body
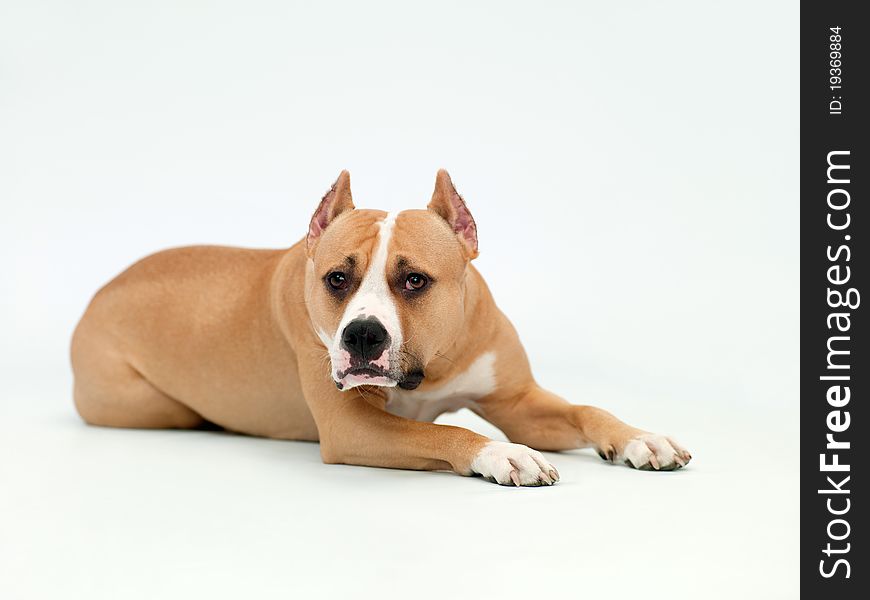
point(358, 336)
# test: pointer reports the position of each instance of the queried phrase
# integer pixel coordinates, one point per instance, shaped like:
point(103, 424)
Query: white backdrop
point(632, 168)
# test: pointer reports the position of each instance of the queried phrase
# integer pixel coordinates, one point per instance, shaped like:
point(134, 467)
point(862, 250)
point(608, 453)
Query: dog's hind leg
point(108, 391)
point(544, 421)
point(121, 397)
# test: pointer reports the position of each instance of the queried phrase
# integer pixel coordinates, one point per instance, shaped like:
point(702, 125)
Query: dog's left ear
point(449, 205)
point(336, 201)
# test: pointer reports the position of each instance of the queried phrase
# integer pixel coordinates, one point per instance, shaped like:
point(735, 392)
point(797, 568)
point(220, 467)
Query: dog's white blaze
point(324, 337)
point(373, 299)
point(463, 391)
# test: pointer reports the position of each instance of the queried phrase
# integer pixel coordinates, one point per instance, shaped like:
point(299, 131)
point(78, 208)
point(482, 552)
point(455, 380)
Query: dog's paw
point(650, 452)
point(513, 464)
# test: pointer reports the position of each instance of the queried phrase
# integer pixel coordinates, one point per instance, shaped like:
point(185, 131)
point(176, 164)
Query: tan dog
point(358, 336)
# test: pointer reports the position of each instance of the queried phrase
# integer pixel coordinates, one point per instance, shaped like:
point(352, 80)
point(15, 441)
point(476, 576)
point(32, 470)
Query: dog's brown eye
point(415, 282)
point(336, 280)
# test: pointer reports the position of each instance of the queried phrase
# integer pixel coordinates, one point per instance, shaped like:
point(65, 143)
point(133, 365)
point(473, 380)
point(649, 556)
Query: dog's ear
point(449, 205)
point(336, 201)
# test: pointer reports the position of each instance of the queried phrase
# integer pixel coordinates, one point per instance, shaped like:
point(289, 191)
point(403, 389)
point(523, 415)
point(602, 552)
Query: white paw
point(513, 464)
point(650, 451)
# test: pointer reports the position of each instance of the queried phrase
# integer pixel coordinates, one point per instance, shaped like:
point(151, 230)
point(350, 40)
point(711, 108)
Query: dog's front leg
point(354, 429)
point(544, 420)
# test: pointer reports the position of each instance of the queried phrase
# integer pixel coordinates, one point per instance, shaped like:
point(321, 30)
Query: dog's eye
point(337, 280)
point(415, 282)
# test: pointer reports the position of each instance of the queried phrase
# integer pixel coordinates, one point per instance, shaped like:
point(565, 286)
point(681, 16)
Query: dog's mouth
point(370, 375)
point(411, 380)
point(363, 375)
point(367, 372)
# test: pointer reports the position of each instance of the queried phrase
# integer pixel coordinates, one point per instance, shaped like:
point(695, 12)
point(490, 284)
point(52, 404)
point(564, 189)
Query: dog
point(359, 336)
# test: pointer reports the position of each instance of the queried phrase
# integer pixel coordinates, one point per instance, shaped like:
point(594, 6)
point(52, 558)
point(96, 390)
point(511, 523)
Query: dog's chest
point(462, 391)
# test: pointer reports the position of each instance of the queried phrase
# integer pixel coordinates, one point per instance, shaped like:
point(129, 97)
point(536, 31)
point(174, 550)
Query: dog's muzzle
point(365, 343)
point(365, 339)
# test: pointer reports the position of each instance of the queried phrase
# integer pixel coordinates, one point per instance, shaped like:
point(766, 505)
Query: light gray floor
point(101, 513)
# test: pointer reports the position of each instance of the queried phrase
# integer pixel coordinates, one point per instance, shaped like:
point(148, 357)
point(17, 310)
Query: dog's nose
point(365, 338)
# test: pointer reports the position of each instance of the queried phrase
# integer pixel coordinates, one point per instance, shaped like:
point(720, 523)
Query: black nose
point(365, 338)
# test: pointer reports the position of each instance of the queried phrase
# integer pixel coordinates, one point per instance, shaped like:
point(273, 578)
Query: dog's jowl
point(358, 336)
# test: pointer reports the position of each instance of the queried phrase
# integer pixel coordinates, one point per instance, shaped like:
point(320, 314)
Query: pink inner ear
point(321, 218)
point(467, 229)
point(316, 228)
point(464, 223)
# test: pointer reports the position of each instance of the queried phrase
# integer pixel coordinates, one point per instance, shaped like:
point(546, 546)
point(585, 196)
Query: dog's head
point(385, 292)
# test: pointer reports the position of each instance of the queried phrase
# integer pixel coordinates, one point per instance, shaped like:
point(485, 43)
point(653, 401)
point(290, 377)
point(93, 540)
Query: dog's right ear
point(336, 201)
point(449, 205)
